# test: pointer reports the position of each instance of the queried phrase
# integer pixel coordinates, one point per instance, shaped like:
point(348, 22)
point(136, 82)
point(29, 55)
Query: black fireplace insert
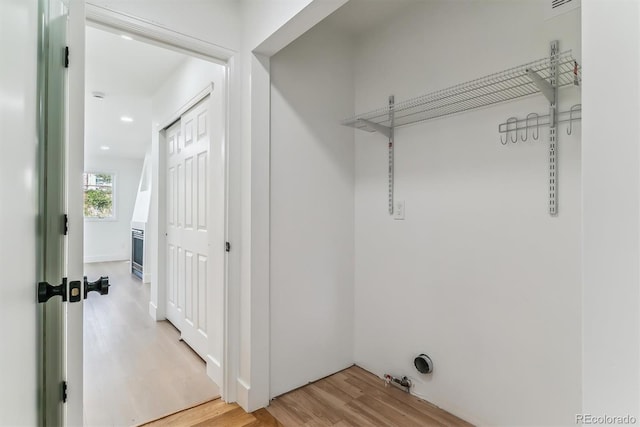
point(137, 251)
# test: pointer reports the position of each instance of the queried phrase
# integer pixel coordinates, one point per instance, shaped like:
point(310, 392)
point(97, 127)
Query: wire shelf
point(495, 88)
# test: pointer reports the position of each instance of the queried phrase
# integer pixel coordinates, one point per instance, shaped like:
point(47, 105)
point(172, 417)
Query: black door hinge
point(66, 57)
point(65, 226)
point(227, 247)
point(64, 392)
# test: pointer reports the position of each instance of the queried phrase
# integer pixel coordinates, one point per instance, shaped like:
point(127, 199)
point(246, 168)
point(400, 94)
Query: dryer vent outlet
point(423, 364)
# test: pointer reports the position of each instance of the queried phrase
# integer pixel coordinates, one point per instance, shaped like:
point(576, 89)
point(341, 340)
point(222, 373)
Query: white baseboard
point(106, 258)
point(153, 310)
point(242, 394)
point(214, 370)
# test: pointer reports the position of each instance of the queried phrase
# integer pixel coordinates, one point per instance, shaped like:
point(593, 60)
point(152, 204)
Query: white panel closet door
point(188, 224)
point(175, 304)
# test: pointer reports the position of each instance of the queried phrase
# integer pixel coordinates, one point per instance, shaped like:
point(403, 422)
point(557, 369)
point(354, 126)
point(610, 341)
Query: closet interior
point(445, 224)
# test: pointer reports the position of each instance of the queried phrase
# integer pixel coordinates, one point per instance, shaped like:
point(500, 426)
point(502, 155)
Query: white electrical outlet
point(398, 209)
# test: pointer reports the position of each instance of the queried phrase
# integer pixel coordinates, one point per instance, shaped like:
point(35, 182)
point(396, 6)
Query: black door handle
point(46, 291)
point(101, 285)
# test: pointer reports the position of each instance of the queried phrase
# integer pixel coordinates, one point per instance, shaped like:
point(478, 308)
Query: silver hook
point(571, 110)
point(537, 132)
point(513, 120)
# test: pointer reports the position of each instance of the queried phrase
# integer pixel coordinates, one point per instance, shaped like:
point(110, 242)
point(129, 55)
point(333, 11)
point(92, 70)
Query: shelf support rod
point(547, 89)
point(388, 132)
point(391, 159)
point(385, 130)
point(553, 148)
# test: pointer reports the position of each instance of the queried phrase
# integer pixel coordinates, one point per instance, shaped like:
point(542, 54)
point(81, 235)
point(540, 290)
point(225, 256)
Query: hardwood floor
point(217, 413)
point(353, 397)
point(135, 369)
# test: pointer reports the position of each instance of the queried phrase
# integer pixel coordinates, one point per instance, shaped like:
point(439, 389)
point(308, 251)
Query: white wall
point(18, 213)
point(185, 83)
point(611, 209)
point(312, 210)
point(110, 240)
point(278, 22)
point(260, 19)
point(478, 276)
point(140, 214)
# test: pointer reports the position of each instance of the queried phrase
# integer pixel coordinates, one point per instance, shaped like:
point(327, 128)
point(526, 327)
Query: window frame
point(114, 192)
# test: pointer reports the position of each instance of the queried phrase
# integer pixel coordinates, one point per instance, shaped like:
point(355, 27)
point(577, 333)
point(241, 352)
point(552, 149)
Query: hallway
point(135, 369)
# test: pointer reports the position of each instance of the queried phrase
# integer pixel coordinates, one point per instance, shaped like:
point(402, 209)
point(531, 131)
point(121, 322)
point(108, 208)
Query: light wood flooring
point(217, 413)
point(135, 369)
point(353, 397)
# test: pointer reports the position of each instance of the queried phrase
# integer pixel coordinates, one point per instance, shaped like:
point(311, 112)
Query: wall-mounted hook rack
point(536, 133)
point(534, 121)
point(544, 76)
point(576, 108)
point(511, 123)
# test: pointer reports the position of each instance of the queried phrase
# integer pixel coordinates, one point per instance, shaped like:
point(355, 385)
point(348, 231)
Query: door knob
point(46, 291)
point(101, 285)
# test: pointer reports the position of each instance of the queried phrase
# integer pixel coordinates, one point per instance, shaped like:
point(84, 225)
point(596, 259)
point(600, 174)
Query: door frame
point(148, 32)
point(74, 168)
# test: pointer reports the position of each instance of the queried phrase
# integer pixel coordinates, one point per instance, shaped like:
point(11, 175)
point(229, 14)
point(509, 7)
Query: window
point(99, 195)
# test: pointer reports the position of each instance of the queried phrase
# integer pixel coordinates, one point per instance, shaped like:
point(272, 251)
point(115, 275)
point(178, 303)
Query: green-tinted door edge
point(50, 268)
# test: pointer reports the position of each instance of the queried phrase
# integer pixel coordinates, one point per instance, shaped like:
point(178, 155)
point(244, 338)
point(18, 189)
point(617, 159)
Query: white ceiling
point(129, 72)
point(357, 17)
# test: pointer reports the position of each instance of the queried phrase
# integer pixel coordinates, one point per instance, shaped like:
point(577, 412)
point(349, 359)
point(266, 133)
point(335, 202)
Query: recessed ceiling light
point(105, 147)
point(126, 119)
point(126, 37)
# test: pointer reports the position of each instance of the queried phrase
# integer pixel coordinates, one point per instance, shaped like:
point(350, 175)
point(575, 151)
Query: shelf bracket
point(553, 148)
point(545, 87)
point(385, 130)
point(388, 132)
point(392, 117)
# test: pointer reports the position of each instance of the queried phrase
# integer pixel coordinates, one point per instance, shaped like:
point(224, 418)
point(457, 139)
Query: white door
point(189, 208)
point(18, 214)
point(61, 161)
point(42, 343)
